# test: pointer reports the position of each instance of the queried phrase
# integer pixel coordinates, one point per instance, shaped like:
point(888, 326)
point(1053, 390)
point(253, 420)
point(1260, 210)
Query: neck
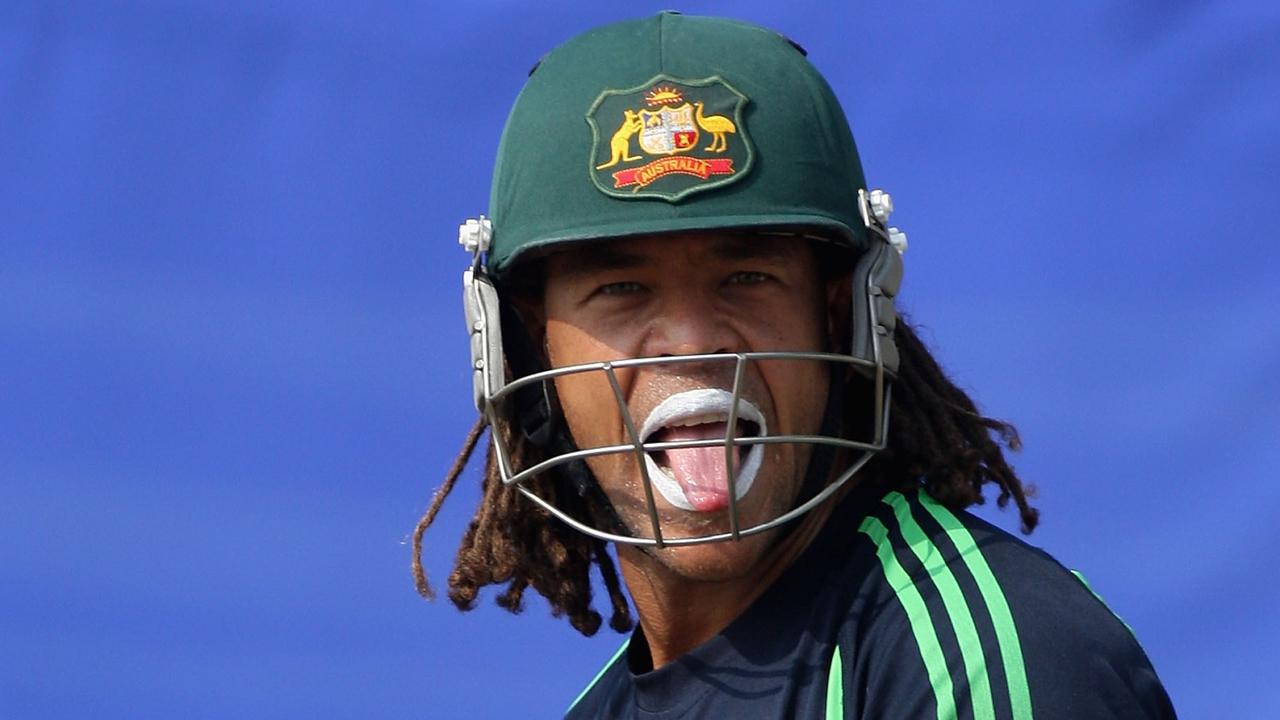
point(681, 610)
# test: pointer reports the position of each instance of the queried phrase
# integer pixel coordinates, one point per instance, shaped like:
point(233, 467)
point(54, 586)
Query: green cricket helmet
point(666, 124)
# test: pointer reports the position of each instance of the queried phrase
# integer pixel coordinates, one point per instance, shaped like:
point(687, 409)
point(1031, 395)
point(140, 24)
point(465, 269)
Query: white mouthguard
point(702, 406)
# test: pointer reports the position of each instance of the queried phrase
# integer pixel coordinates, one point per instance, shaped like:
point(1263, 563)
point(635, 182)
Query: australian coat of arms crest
point(668, 138)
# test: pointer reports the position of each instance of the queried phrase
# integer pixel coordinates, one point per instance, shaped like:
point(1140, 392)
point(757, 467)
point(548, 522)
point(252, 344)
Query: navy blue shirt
point(900, 608)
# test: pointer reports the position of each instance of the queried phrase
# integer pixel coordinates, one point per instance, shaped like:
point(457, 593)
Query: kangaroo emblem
point(620, 143)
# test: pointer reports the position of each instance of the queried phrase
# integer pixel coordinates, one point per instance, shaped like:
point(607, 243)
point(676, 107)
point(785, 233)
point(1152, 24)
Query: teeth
point(695, 407)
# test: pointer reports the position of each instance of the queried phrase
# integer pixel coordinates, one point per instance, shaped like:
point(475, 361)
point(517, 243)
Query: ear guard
point(482, 311)
point(491, 323)
point(876, 279)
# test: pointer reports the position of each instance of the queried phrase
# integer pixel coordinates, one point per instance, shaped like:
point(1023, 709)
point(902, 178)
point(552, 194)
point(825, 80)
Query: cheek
point(791, 319)
point(586, 398)
point(568, 344)
point(798, 388)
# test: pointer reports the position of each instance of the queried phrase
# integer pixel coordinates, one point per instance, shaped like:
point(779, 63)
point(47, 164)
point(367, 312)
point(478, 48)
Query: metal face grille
point(861, 450)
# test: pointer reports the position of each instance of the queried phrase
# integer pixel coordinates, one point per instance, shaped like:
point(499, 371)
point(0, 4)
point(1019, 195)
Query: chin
point(715, 562)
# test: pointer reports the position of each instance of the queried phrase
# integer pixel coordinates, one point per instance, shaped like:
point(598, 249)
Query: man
point(684, 343)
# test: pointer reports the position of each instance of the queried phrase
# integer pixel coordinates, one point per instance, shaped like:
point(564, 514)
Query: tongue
point(701, 471)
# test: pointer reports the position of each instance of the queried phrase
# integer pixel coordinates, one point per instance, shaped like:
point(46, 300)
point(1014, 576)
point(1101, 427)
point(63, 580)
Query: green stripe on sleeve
point(1015, 671)
point(917, 615)
point(1087, 586)
point(835, 688)
point(599, 675)
point(975, 666)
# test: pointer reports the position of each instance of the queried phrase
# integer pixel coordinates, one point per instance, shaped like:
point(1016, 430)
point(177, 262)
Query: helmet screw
point(475, 234)
point(898, 240)
point(881, 205)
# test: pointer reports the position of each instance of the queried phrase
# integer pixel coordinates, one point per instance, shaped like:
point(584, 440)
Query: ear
point(839, 299)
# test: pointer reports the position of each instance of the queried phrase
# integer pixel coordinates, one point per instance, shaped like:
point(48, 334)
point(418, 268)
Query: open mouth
point(697, 478)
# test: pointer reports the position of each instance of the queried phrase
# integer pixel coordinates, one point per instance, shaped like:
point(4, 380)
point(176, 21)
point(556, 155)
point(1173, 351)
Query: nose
point(690, 324)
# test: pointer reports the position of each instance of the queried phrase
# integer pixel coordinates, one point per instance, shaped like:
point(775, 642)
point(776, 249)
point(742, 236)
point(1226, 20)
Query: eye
point(620, 288)
point(748, 277)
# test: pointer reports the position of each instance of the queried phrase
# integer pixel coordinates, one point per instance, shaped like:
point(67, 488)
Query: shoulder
point(957, 615)
point(607, 692)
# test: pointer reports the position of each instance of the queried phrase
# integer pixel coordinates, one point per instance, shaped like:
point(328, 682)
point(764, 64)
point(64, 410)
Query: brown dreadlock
point(511, 541)
point(937, 440)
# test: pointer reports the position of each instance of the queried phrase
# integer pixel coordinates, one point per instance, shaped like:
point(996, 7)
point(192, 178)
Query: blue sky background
point(233, 365)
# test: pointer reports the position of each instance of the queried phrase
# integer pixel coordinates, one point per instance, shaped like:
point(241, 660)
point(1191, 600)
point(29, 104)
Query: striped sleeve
point(957, 633)
point(964, 659)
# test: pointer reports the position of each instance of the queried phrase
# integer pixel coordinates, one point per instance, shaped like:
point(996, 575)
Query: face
point(689, 294)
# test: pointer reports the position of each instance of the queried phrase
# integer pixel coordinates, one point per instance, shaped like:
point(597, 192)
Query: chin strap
point(531, 407)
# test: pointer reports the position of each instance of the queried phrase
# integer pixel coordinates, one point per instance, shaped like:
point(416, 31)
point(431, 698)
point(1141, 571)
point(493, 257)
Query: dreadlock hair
point(513, 541)
point(937, 440)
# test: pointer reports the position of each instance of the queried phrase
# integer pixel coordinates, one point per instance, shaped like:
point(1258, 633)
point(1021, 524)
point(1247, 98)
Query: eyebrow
point(602, 256)
point(611, 255)
point(753, 247)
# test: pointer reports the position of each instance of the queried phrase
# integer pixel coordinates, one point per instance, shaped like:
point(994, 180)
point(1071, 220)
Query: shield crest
point(668, 138)
point(669, 130)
